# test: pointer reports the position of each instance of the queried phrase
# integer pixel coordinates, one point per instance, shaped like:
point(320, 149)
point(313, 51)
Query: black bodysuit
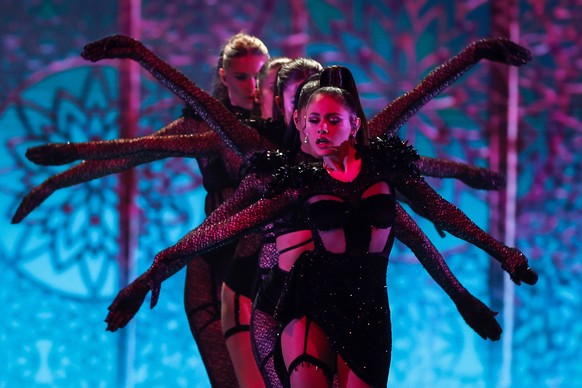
point(345, 293)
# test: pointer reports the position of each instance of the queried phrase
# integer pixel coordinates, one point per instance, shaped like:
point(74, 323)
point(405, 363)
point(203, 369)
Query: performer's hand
point(504, 51)
point(156, 274)
point(518, 268)
point(478, 316)
point(116, 46)
point(525, 274)
point(155, 284)
point(52, 154)
point(127, 303)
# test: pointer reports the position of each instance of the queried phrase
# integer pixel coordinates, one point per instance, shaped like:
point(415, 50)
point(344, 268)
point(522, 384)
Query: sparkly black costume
point(345, 294)
point(323, 301)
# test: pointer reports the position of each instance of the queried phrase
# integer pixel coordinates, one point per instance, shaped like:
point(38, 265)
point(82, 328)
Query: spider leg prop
point(477, 315)
point(190, 145)
point(448, 217)
point(475, 177)
point(395, 114)
point(80, 173)
point(89, 170)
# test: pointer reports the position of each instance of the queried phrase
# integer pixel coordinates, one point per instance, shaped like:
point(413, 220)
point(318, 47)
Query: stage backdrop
point(64, 263)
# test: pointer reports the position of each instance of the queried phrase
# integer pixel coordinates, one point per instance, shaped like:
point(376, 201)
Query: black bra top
point(376, 210)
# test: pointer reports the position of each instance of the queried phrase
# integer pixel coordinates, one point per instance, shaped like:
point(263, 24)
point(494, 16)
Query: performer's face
point(289, 100)
point(267, 93)
point(240, 79)
point(328, 124)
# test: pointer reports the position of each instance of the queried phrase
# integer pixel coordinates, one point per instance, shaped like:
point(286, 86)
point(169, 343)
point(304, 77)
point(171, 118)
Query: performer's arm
point(448, 217)
point(477, 315)
point(395, 114)
point(89, 170)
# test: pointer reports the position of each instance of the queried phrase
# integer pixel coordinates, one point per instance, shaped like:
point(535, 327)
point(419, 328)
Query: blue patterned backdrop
point(60, 265)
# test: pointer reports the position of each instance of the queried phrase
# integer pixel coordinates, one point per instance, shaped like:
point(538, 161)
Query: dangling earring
point(305, 139)
point(355, 126)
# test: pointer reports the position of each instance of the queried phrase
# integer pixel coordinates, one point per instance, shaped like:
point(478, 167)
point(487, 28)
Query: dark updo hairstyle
point(298, 69)
point(342, 78)
point(272, 63)
point(305, 90)
point(291, 140)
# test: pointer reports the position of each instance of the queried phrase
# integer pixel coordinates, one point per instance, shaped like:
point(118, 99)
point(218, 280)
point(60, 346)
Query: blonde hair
point(239, 45)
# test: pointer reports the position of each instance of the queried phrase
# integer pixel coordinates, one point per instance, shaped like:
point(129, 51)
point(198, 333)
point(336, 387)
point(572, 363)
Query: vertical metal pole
point(129, 104)
point(503, 130)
